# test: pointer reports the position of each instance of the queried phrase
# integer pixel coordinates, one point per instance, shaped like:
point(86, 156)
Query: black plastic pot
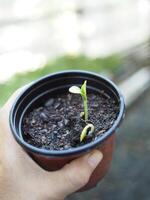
point(41, 90)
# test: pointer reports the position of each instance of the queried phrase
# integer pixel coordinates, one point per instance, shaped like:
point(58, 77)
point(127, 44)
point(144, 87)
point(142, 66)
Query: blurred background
point(110, 37)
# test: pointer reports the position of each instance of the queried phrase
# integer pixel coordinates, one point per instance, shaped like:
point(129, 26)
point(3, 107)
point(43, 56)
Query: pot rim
point(76, 150)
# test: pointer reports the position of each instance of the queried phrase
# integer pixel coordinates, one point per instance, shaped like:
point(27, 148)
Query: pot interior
point(40, 91)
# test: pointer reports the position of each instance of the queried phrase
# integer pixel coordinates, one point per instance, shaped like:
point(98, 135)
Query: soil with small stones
point(57, 125)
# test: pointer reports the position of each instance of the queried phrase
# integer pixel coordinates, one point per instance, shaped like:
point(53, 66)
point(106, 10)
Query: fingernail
point(95, 158)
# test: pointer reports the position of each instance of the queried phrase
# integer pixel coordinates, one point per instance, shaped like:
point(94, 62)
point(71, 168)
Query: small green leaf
point(83, 90)
point(84, 131)
point(75, 90)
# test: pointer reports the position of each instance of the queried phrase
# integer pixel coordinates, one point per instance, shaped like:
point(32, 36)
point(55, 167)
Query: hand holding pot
point(21, 178)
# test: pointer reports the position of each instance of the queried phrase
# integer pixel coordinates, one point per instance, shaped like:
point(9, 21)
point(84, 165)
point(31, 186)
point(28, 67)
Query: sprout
point(85, 130)
point(83, 93)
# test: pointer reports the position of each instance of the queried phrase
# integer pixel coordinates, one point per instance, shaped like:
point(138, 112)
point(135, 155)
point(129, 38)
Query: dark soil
point(57, 125)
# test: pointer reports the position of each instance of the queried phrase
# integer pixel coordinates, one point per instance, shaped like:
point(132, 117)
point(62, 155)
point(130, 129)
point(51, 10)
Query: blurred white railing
point(136, 85)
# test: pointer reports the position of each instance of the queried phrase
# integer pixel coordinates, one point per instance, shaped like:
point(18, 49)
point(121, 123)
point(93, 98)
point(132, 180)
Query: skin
point(21, 178)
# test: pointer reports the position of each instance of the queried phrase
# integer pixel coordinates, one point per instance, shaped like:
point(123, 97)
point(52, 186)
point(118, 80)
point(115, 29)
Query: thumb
point(76, 174)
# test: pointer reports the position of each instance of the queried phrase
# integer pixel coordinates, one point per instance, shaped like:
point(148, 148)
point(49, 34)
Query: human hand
point(21, 178)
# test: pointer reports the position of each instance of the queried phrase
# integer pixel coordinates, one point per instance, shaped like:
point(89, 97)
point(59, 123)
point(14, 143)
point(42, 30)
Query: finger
point(76, 174)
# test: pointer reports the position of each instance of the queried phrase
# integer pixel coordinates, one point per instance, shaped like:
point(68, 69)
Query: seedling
point(83, 93)
point(85, 131)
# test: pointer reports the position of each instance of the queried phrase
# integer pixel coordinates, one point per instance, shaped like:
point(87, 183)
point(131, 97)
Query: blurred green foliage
point(110, 63)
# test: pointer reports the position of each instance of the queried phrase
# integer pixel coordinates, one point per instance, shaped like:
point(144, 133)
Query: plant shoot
point(83, 93)
point(85, 131)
